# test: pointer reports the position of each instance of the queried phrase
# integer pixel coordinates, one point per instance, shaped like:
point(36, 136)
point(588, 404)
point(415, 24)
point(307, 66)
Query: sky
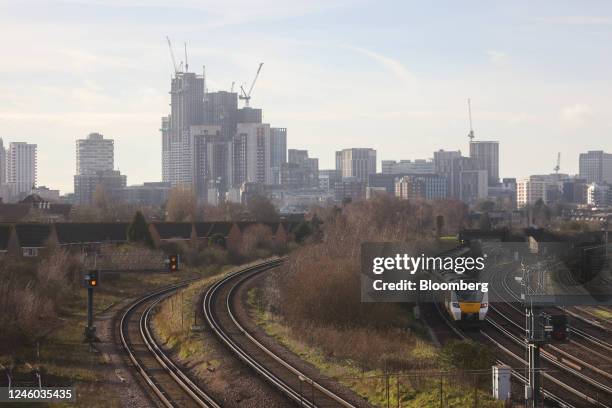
point(391, 75)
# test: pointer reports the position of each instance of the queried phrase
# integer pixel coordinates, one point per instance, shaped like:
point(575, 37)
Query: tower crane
point(246, 96)
point(471, 134)
point(176, 68)
point(186, 63)
point(558, 166)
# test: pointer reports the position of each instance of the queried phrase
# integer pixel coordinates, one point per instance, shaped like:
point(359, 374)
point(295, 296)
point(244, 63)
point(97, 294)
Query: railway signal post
point(532, 388)
point(90, 281)
point(533, 336)
point(540, 327)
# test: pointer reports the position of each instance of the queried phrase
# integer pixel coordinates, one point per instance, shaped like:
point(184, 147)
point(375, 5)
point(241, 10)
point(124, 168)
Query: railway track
point(516, 374)
point(590, 336)
point(571, 381)
point(169, 383)
point(507, 320)
point(295, 384)
point(580, 386)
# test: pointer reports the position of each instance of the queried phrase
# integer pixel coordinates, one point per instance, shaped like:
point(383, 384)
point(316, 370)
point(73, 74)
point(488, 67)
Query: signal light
point(556, 328)
point(91, 279)
point(173, 263)
point(560, 329)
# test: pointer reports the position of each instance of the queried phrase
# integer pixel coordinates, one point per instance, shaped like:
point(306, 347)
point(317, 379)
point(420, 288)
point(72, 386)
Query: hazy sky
point(392, 75)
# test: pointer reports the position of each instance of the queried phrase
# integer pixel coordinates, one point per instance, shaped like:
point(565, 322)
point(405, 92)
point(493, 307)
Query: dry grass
point(411, 374)
point(32, 295)
point(313, 304)
point(42, 302)
point(175, 316)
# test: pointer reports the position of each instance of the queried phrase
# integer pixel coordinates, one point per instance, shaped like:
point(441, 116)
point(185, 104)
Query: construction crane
point(558, 166)
point(471, 134)
point(186, 63)
point(176, 67)
point(246, 96)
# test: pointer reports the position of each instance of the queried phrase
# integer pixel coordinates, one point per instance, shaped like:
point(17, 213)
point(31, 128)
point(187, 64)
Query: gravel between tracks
point(230, 382)
point(118, 372)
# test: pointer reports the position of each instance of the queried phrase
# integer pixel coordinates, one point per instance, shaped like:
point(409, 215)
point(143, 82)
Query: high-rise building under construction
point(186, 110)
point(209, 144)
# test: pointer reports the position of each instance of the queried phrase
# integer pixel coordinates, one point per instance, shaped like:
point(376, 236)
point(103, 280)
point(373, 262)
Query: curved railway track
point(169, 383)
point(295, 384)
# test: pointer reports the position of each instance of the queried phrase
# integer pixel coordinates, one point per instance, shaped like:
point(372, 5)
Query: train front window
point(469, 295)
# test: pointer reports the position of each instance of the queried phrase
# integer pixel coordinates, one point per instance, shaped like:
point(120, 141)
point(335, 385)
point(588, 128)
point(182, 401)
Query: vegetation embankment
point(43, 316)
point(313, 306)
point(43, 303)
point(178, 313)
point(178, 320)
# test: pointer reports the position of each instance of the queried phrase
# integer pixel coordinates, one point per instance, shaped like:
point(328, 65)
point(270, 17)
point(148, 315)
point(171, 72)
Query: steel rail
point(198, 396)
point(225, 335)
point(513, 372)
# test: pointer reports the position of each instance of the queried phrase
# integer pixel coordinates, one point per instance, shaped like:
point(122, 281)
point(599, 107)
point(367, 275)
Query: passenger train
point(464, 307)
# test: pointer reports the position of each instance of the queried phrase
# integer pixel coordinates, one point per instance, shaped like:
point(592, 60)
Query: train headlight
point(484, 305)
point(455, 304)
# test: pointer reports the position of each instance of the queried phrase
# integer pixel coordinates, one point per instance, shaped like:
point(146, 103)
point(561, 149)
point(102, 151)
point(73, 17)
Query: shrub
point(467, 355)
point(138, 231)
point(32, 294)
point(256, 238)
point(217, 239)
point(318, 291)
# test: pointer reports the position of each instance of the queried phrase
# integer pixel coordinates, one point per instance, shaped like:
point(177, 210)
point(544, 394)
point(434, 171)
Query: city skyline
point(535, 87)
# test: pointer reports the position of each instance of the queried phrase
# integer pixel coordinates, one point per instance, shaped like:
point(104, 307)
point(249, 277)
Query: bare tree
point(182, 204)
point(262, 209)
point(100, 198)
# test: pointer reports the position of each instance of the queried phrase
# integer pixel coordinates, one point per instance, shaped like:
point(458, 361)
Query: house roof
point(5, 235)
point(90, 232)
point(60, 209)
point(17, 212)
point(173, 230)
point(33, 235)
point(13, 212)
point(32, 199)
